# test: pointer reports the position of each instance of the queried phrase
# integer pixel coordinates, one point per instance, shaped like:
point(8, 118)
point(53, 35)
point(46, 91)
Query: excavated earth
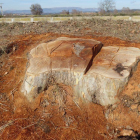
point(53, 87)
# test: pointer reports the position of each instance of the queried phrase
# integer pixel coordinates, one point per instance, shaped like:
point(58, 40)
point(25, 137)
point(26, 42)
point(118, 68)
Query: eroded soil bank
point(21, 120)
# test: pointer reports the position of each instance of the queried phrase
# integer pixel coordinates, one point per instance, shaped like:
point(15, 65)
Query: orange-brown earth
point(21, 120)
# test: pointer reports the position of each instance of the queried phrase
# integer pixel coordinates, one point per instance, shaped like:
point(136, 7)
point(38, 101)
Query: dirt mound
point(21, 120)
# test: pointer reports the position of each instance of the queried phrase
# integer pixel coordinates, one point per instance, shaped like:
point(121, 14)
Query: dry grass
point(125, 30)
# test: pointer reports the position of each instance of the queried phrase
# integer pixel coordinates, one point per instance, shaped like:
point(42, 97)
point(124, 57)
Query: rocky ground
point(21, 120)
point(125, 30)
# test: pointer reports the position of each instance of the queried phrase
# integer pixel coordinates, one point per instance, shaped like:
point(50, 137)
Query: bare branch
point(106, 5)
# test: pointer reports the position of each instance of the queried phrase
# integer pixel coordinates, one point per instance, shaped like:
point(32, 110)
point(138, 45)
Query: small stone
point(128, 127)
point(126, 132)
point(134, 106)
point(5, 73)
point(14, 48)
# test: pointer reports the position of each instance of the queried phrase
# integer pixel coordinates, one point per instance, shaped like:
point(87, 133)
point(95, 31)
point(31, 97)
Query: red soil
point(30, 121)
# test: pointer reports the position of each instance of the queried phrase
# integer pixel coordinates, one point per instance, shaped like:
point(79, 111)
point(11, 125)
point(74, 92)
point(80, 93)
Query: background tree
point(126, 10)
point(115, 11)
point(106, 5)
point(65, 12)
point(101, 7)
point(102, 12)
point(75, 12)
point(36, 9)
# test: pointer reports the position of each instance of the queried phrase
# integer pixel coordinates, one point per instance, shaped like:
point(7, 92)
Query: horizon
point(25, 5)
point(63, 7)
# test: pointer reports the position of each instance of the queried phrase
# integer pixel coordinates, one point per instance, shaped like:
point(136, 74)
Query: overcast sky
point(25, 4)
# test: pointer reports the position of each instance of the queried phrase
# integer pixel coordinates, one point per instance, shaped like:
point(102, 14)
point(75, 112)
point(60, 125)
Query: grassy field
point(58, 19)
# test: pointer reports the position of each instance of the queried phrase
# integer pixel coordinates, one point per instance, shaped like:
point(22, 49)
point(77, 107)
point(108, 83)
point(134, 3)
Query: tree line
point(105, 7)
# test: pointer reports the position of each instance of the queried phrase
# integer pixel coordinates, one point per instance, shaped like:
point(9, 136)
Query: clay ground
point(21, 120)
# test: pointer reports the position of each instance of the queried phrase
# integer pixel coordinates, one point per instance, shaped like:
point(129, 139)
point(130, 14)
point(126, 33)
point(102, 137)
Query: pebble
point(5, 73)
point(134, 106)
point(126, 132)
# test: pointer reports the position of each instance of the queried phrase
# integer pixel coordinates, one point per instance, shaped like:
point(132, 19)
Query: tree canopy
point(106, 5)
point(36, 9)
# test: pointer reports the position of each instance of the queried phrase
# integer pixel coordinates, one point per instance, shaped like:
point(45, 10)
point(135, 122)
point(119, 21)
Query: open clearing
point(21, 120)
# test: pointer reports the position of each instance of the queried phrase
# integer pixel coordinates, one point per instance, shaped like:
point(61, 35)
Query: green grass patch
point(41, 19)
point(25, 19)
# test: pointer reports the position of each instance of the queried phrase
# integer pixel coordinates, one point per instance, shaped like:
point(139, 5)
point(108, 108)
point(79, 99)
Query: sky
point(25, 4)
